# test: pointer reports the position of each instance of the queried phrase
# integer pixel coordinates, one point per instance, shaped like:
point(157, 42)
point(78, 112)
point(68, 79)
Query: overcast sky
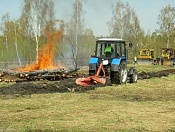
point(97, 12)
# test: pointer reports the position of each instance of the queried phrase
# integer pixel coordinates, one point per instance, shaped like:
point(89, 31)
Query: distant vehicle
point(145, 56)
point(166, 53)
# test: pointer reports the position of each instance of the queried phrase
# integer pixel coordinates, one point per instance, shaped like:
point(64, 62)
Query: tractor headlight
point(105, 62)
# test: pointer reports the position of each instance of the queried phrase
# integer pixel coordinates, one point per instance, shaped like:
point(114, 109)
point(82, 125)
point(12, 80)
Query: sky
point(97, 12)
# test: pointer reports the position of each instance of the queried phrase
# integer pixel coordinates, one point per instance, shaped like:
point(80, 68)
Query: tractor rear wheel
point(120, 76)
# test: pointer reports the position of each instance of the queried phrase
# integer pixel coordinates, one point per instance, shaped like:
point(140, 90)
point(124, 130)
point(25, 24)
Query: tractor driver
point(108, 50)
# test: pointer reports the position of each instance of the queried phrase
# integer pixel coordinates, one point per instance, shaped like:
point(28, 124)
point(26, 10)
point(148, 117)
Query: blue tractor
point(112, 54)
point(109, 61)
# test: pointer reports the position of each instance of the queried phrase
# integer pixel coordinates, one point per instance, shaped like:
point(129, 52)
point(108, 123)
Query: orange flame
point(45, 60)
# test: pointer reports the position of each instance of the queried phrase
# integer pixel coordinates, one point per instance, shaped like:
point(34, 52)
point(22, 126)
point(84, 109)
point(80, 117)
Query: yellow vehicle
point(146, 56)
point(166, 54)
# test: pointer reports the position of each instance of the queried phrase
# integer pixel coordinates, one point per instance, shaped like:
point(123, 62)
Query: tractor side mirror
point(130, 45)
point(93, 54)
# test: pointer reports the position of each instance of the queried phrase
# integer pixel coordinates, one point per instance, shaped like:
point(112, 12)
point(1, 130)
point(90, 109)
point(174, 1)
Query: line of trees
point(125, 24)
point(23, 38)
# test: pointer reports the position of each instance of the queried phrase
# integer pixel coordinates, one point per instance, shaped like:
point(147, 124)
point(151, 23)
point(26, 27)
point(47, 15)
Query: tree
point(5, 37)
point(166, 21)
point(88, 44)
point(37, 14)
point(75, 31)
point(15, 27)
point(125, 24)
point(10, 30)
point(118, 21)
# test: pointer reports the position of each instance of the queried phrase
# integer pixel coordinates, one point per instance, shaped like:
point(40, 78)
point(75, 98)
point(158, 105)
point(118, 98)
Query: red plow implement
point(92, 80)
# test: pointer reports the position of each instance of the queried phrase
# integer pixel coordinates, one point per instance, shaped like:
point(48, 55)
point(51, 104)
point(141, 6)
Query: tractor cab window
point(106, 49)
point(145, 52)
point(120, 46)
point(110, 49)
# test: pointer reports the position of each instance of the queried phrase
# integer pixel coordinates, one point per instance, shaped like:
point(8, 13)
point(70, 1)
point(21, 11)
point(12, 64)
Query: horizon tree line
point(23, 38)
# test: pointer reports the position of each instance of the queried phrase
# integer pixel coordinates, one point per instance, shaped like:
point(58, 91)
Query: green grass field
point(147, 106)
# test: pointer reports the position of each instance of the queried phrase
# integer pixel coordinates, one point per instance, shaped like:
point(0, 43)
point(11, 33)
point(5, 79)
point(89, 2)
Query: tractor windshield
point(110, 49)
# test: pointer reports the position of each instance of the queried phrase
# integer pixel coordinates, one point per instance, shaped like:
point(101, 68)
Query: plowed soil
point(67, 85)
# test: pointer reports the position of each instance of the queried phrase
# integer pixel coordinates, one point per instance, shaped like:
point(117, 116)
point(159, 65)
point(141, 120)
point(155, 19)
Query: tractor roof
point(110, 39)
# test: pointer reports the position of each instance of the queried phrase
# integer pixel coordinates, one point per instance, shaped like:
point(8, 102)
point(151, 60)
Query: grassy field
point(147, 106)
point(148, 68)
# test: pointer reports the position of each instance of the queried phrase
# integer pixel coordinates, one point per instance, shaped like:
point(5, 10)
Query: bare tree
point(166, 21)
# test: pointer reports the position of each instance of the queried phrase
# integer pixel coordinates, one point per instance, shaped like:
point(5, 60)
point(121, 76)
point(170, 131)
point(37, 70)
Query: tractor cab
point(110, 48)
point(109, 51)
